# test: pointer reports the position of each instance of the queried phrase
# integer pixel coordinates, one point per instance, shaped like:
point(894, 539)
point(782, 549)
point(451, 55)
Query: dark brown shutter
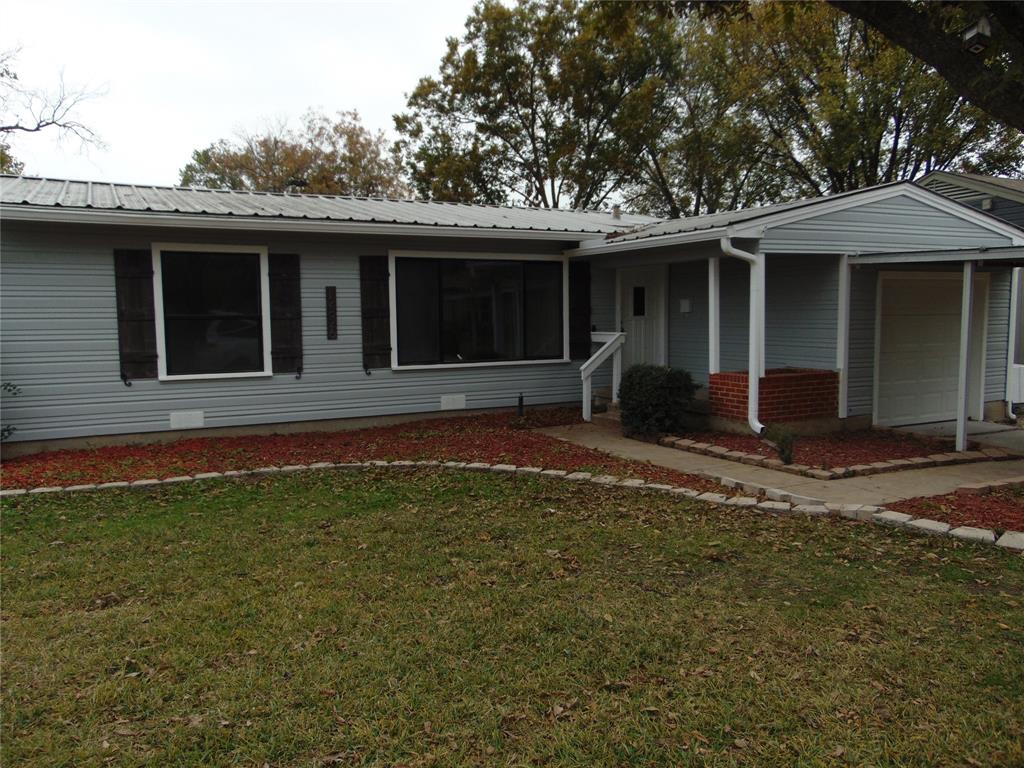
point(331, 308)
point(374, 307)
point(136, 320)
point(285, 313)
point(579, 310)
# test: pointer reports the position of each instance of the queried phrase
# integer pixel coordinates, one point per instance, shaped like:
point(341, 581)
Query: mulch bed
point(1001, 510)
point(497, 438)
point(839, 449)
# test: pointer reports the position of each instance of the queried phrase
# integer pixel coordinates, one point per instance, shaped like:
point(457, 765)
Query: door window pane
point(213, 319)
point(639, 301)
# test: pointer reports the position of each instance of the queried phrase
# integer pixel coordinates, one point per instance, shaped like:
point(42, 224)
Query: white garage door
point(919, 355)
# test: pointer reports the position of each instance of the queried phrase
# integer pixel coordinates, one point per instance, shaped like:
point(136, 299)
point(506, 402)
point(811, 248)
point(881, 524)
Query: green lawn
point(465, 619)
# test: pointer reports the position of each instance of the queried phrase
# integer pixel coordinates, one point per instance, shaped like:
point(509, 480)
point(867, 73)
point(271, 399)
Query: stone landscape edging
point(836, 473)
point(778, 501)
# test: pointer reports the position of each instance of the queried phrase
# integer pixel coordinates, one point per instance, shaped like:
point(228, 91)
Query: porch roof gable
point(754, 222)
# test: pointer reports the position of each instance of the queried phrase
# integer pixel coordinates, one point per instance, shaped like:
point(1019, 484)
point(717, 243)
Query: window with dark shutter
point(285, 313)
point(136, 319)
point(579, 310)
point(375, 310)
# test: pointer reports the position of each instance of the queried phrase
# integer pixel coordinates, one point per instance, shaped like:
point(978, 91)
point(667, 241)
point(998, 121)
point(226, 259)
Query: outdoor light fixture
point(977, 36)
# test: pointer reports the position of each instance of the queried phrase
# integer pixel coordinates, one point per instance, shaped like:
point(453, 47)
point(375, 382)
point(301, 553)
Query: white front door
point(919, 348)
point(642, 314)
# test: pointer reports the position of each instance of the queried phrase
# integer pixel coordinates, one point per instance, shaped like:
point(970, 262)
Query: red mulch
point(498, 438)
point(1001, 510)
point(839, 449)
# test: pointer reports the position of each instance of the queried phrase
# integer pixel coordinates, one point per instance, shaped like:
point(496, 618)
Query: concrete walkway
point(1009, 437)
point(873, 489)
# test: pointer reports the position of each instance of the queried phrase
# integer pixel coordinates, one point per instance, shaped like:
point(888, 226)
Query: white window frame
point(460, 256)
point(158, 308)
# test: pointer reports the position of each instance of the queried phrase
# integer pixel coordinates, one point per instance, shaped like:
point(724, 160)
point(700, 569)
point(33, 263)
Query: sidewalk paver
point(872, 489)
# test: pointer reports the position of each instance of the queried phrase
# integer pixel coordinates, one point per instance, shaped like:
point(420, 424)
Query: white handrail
point(611, 346)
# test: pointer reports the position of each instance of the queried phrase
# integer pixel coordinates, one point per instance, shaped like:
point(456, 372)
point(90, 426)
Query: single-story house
point(132, 310)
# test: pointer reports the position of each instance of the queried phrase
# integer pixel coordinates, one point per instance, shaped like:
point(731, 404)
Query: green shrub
point(653, 400)
point(11, 390)
point(783, 441)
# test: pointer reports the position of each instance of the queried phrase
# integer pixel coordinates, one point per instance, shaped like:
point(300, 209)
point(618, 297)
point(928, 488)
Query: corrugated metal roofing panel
point(25, 190)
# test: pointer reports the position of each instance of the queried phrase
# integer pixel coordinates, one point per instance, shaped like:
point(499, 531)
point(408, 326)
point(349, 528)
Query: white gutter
point(755, 336)
point(53, 214)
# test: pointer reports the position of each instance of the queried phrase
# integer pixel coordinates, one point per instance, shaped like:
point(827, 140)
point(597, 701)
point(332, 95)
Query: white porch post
point(843, 335)
point(616, 374)
point(714, 316)
point(1011, 348)
point(963, 391)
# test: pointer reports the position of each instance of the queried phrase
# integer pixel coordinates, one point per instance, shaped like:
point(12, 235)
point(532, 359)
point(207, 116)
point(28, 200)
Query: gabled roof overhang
point(754, 228)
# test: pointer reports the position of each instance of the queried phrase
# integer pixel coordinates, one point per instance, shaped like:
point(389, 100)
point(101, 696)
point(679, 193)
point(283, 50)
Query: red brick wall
point(784, 394)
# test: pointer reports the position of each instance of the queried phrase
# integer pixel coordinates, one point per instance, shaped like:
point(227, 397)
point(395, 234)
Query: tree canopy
point(327, 156)
point(546, 102)
point(565, 104)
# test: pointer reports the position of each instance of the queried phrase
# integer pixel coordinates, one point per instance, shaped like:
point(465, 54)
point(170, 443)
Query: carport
point(931, 311)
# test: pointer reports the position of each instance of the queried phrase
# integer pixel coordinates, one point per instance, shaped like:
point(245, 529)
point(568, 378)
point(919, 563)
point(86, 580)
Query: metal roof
point(961, 186)
point(53, 194)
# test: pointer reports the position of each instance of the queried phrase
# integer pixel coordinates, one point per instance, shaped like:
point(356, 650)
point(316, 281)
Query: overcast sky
point(177, 76)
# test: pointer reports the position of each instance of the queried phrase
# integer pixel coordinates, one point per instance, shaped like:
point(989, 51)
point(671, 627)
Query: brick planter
point(784, 394)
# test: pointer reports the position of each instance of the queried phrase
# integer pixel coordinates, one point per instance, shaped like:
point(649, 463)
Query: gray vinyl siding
point(602, 317)
point(863, 295)
point(1008, 210)
point(861, 359)
point(800, 313)
point(58, 319)
point(688, 332)
point(997, 350)
point(734, 314)
point(896, 224)
point(602, 298)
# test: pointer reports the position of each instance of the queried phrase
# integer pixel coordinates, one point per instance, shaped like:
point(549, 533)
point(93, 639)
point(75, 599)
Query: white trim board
point(158, 308)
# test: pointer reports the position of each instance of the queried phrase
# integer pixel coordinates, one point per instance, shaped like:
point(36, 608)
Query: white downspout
point(755, 334)
point(1015, 323)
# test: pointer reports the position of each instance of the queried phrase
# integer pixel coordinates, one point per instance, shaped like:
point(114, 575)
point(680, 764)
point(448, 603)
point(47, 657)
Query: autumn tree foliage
point(329, 155)
point(544, 102)
point(561, 103)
